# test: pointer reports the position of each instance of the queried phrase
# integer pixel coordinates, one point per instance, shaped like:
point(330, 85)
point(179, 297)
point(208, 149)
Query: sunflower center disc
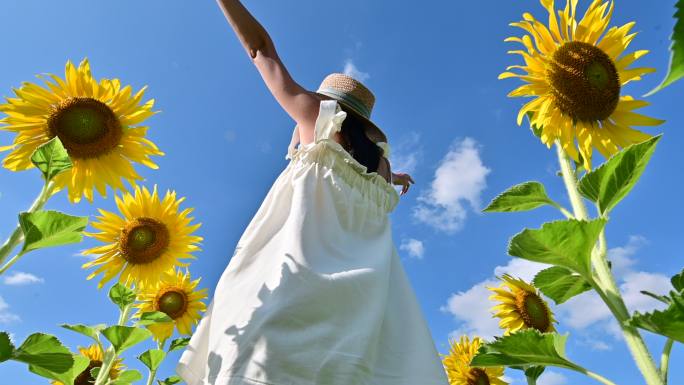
point(84, 378)
point(534, 312)
point(86, 126)
point(173, 303)
point(584, 81)
point(480, 377)
point(143, 240)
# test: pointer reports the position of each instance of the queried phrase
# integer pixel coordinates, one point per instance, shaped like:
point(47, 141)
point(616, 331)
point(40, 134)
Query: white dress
point(315, 292)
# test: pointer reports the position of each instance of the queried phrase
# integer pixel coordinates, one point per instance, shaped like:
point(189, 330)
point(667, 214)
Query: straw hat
point(357, 99)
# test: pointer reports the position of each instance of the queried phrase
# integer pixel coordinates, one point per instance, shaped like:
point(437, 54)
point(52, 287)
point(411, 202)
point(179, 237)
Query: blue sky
point(433, 68)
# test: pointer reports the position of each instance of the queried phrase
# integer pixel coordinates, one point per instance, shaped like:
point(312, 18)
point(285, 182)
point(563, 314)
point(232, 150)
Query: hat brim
point(373, 132)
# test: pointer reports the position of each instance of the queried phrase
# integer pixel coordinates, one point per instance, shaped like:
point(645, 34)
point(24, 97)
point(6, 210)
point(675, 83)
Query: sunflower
point(459, 371)
point(575, 72)
point(95, 121)
point(175, 295)
point(95, 355)
point(151, 238)
point(521, 306)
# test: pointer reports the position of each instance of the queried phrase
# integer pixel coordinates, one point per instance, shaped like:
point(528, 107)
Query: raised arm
point(299, 103)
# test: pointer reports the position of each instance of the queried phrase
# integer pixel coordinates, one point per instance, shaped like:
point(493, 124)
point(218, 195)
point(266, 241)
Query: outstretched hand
point(404, 180)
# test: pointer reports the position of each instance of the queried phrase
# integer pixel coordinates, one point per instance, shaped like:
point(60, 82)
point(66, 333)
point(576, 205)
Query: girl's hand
point(402, 179)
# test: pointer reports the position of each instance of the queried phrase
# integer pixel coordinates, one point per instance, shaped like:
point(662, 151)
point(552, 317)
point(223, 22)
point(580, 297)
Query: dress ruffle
point(330, 154)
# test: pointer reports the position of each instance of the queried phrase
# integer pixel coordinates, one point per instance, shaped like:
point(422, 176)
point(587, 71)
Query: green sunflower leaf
point(51, 158)
point(170, 381)
point(565, 243)
point(127, 377)
point(48, 228)
point(94, 372)
point(676, 70)
point(521, 197)
point(89, 331)
point(153, 317)
point(526, 347)
point(124, 337)
point(608, 184)
point(678, 281)
point(6, 347)
point(668, 322)
point(44, 351)
point(179, 343)
point(121, 295)
point(560, 284)
point(80, 363)
point(152, 358)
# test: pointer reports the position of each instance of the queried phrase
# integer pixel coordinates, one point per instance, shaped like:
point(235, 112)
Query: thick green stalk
point(607, 288)
point(17, 235)
point(531, 380)
point(110, 355)
point(665, 359)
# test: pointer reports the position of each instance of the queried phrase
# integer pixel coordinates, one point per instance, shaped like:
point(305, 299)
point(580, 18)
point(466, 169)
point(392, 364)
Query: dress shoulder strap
point(329, 120)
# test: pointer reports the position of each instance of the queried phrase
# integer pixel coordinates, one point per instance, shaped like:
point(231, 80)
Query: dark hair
point(364, 150)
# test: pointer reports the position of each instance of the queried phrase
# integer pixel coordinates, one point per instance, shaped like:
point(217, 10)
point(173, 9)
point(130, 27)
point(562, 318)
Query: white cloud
point(351, 70)
point(552, 378)
point(586, 312)
point(621, 256)
point(5, 315)
point(21, 278)
point(414, 247)
point(405, 153)
point(472, 307)
point(459, 179)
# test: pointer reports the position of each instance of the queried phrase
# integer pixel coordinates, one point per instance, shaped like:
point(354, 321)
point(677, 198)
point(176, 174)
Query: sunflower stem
point(11, 262)
point(665, 359)
point(531, 380)
point(599, 378)
point(17, 235)
point(605, 284)
point(108, 361)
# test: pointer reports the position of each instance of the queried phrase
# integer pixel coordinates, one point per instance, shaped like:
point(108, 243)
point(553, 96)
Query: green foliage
point(525, 347)
point(521, 197)
point(560, 284)
point(179, 343)
point(89, 331)
point(6, 347)
point(566, 243)
point(44, 351)
point(668, 322)
point(678, 281)
point(47, 228)
point(124, 337)
point(121, 295)
point(67, 377)
point(170, 381)
point(153, 317)
point(608, 184)
point(127, 377)
point(676, 70)
point(152, 358)
point(51, 158)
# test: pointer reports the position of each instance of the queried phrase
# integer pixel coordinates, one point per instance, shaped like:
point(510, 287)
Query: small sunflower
point(151, 238)
point(459, 371)
point(575, 72)
point(176, 295)
point(95, 121)
point(95, 355)
point(521, 306)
